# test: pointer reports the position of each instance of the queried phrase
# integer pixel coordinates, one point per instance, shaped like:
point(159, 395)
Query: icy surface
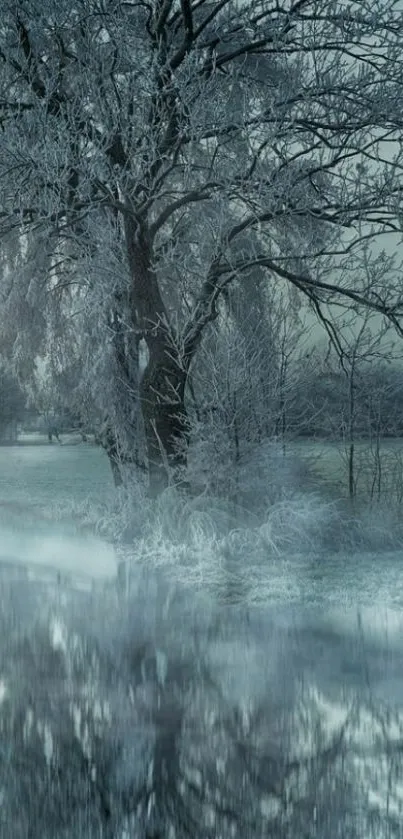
point(39, 482)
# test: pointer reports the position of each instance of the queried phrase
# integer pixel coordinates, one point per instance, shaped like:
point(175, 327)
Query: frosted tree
point(243, 390)
point(154, 153)
point(12, 404)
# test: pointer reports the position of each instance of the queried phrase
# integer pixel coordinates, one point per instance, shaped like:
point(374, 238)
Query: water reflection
point(164, 715)
point(262, 700)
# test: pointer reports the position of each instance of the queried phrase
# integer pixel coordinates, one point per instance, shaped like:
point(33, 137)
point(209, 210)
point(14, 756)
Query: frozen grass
point(202, 540)
point(258, 540)
point(237, 549)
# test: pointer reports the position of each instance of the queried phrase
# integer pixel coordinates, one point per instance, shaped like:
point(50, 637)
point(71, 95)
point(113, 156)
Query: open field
point(378, 472)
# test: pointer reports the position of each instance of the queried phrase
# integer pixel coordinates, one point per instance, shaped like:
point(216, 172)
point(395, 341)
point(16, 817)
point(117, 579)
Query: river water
point(337, 617)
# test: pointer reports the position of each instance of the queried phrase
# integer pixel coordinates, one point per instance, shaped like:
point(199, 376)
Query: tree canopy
point(153, 154)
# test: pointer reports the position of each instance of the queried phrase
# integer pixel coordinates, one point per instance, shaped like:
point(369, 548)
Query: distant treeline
point(327, 405)
point(312, 403)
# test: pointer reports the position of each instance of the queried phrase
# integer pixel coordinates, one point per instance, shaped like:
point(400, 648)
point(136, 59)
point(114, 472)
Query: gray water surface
point(329, 622)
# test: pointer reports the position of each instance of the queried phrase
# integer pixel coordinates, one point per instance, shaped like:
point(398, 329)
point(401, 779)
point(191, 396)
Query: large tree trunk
point(162, 387)
point(113, 457)
point(162, 393)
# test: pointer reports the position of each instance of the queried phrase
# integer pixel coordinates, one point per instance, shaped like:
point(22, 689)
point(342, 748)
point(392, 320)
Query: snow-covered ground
point(41, 485)
point(37, 482)
point(66, 552)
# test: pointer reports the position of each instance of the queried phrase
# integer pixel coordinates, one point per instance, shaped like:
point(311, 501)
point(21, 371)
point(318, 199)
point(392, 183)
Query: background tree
point(153, 154)
point(244, 390)
point(12, 404)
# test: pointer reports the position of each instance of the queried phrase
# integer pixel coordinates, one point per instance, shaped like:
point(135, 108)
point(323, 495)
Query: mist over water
point(262, 662)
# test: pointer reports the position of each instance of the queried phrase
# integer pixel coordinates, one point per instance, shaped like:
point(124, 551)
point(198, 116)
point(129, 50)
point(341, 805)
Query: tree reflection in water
point(164, 716)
